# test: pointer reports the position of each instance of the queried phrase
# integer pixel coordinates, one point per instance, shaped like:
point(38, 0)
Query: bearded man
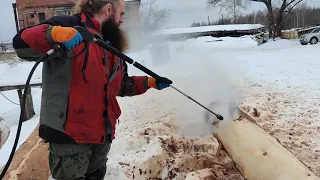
point(79, 109)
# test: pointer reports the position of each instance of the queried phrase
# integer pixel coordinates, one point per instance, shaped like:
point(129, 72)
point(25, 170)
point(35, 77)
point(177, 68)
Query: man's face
point(118, 12)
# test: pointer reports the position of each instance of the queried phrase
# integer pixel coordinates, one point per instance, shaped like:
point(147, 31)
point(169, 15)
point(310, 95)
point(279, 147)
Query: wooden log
point(4, 132)
point(258, 155)
point(30, 161)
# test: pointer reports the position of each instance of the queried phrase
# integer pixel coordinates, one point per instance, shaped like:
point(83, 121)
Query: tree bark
point(279, 25)
point(258, 155)
point(270, 19)
point(279, 21)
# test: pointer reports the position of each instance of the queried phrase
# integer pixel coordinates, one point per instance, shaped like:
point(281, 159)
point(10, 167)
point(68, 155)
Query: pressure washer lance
point(88, 37)
point(217, 115)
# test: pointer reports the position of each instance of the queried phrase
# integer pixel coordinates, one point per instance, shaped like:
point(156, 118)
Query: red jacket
point(79, 106)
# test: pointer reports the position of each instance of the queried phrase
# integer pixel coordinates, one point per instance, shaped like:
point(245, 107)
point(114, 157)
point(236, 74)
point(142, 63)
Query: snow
point(16, 73)
point(11, 113)
point(163, 133)
point(13, 72)
point(231, 27)
point(27, 129)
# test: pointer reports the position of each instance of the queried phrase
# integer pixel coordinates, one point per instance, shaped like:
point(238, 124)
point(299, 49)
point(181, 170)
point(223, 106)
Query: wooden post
point(14, 6)
point(29, 110)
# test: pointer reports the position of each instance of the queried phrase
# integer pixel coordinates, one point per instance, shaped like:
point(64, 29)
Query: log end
point(258, 155)
point(4, 131)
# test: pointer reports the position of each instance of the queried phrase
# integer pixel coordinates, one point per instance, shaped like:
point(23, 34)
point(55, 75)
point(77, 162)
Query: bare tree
point(276, 9)
point(281, 7)
point(232, 7)
point(303, 15)
point(152, 16)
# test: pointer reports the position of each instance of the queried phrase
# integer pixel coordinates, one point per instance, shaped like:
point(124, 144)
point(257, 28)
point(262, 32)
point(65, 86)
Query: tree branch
point(292, 1)
point(294, 5)
point(283, 6)
point(263, 1)
point(213, 3)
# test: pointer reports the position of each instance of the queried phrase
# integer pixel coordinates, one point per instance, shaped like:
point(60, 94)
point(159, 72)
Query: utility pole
point(29, 109)
point(14, 6)
point(234, 11)
point(222, 20)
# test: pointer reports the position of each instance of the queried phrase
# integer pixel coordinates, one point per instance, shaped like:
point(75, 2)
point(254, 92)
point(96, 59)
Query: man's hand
point(160, 83)
point(67, 36)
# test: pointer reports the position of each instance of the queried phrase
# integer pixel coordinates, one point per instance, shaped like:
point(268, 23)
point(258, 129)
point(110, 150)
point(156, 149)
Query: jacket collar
point(91, 22)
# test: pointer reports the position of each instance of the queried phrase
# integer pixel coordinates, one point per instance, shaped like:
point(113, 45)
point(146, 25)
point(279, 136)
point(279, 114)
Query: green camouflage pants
point(75, 161)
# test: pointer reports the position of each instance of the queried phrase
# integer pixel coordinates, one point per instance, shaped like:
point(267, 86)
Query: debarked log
point(258, 155)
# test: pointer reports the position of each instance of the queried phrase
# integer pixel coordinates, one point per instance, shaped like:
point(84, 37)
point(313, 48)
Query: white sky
point(184, 12)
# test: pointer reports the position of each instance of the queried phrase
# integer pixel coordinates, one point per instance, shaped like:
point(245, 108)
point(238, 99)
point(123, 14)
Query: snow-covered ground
point(163, 134)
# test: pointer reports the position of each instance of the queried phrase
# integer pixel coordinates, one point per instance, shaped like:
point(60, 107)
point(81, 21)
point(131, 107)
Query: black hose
point(41, 59)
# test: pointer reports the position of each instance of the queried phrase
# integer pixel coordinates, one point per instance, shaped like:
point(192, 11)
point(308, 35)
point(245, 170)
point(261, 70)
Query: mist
point(198, 71)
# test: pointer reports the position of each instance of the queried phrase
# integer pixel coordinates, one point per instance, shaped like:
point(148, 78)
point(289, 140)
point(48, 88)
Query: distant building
point(132, 15)
point(32, 12)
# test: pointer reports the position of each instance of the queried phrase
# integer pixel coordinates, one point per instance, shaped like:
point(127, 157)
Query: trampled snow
point(164, 134)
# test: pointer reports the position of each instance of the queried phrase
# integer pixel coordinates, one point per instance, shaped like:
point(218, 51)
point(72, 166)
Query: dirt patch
point(7, 56)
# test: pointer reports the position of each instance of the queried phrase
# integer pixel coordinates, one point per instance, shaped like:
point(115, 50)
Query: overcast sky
point(184, 12)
